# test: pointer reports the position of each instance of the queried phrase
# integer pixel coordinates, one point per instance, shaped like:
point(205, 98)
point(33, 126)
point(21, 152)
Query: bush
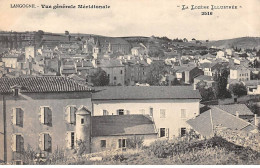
point(133, 143)
point(119, 157)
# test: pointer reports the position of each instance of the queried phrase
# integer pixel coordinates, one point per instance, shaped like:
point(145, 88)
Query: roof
point(146, 92)
point(204, 78)
point(122, 125)
point(242, 109)
point(83, 111)
point(110, 63)
point(251, 83)
point(41, 84)
point(204, 123)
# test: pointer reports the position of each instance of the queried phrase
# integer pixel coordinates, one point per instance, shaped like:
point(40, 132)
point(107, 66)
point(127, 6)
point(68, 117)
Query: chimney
point(237, 114)
point(256, 120)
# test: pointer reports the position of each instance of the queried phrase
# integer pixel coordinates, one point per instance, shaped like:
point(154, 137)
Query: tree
point(157, 69)
point(206, 93)
point(238, 89)
point(100, 78)
point(220, 89)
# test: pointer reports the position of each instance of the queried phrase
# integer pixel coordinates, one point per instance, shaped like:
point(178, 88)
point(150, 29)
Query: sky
point(136, 18)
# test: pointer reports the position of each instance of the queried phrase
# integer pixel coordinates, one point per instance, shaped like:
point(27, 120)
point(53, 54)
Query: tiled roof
point(122, 125)
point(41, 84)
point(204, 77)
point(110, 63)
point(242, 109)
point(205, 122)
point(145, 92)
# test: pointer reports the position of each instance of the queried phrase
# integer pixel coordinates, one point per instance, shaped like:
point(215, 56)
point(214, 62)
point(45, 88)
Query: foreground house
point(38, 112)
point(205, 123)
point(49, 113)
point(168, 106)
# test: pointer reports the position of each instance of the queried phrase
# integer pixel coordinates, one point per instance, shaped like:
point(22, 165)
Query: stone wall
point(242, 138)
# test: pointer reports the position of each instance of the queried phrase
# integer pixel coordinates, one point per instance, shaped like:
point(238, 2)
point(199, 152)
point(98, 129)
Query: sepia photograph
point(129, 82)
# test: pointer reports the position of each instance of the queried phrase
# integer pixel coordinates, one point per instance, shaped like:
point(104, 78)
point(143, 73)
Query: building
point(240, 73)
point(136, 71)
point(113, 132)
point(115, 71)
point(188, 73)
point(206, 123)
point(209, 82)
point(39, 112)
point(169, 106)
point(238, 110)
point(30, 52)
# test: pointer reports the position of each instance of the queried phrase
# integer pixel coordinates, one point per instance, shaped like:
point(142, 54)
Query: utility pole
point(4, 119)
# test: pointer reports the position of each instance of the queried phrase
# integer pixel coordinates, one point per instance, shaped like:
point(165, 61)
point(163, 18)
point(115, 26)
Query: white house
point(169, 106)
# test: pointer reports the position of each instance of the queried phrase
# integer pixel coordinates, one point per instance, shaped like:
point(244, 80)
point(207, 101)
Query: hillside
point(242, 42)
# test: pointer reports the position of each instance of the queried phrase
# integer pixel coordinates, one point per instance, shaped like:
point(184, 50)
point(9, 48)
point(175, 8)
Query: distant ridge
point(241, 42)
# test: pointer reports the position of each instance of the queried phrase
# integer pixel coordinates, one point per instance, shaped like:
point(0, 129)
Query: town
point(90, 95)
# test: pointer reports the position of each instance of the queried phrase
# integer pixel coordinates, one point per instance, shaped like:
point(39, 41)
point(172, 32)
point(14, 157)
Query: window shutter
point(41, 142)
point(42, 115)
point(167, 132)
point(19, 116)
point(48, 142)
point(68, 114)
point(14, 142)
point(159, 132)
point(49, 119)
point(119, 143)
point(69, 140)
point(45, 142)
point(72, 114)
point(127, 112)
point(19, 143)
point(14, 116)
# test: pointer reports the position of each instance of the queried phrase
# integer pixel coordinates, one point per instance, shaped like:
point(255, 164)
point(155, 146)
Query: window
point(162, 113)
point(17, 143)
point(121, 72)
point(114, 77)
point(121, 143)
point(163, 132)
point(108, 76)
point(183, 113)
point(105, 112)
point(151, 111)
point(120, 112)
point(17, 116)
point(103, 144)
point(71, 140)
point(82, 121)
point(16, 92)
point(183, 132)
point(71, 114)
point(46, 116)
point(45, 142)
point(142, 111)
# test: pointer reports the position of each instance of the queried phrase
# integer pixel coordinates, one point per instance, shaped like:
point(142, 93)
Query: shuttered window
point(71, 114)
point(46, 115)
point(17, 143)
point(45, 142)
point(121, 143)
point(71, 140)
point(17, 116)
point(183, 113)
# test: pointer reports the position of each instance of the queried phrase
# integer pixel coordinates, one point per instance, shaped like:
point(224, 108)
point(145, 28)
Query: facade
point(10, 62)
point(39, 114)
point(115, 71)
point(30, 52)
point(136, 71)
point(169, 106)
point(240, 73)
